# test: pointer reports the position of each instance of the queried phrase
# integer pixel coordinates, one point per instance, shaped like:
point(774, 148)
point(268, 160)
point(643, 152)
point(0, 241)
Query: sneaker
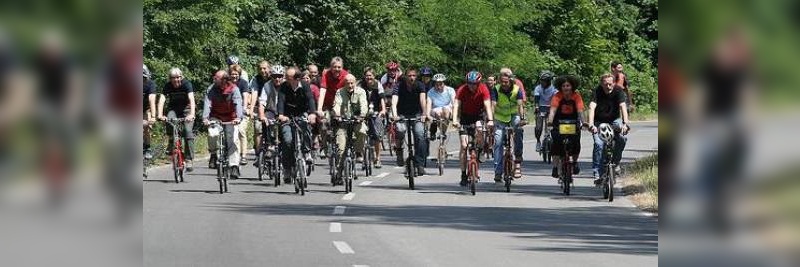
point(378, 164)
point(243, 161)
point(576, 170)
point(538, 147)
point(212, 162)
point(598, 181)
point(420, 171)
point(498, 178)
point(555, 172)
point(189, 165)
point(235, 172)
point(287, 176)
point(463, 179)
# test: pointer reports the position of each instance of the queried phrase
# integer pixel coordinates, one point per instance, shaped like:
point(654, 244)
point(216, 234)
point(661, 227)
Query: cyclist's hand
point(236, 121)
point(625, 129)
point(162, 118)
point(382, 114)
point(206, 122)
point(490, 124)
point(312, 118)
point(283, 118)
point(593, 129)
point(151, 119)
point(190, 117)
point(456, 124)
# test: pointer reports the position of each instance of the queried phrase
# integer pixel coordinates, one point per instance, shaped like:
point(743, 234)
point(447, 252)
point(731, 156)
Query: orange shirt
point(564, 108)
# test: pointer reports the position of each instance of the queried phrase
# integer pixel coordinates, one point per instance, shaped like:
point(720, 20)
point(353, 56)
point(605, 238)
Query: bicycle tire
point(410, 169)
point(567, 173)
point(610, 184)
point(259, 165)
point(175, 167)
point(442, 158)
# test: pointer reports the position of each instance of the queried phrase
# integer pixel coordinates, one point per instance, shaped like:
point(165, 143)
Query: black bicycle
point(567, 129)
point(547, 140)
point(348, 172)
point(608, 175)
point(299, 171)
point(369, 148)
point(409, 162)
point(268, 156)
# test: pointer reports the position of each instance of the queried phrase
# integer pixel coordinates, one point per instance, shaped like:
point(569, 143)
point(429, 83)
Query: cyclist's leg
point(361, 137)
point(212, 141)
point(171, 144)
point(539, 125)
point(619, 144)
point(446, 115)
point(231, 134)
point(287, 146)
point(341, 143)
point(518, 134)
point(188, 136)
point(421, 144)
point(400, 134)
point(597, 153)
point(377, 131)
point(305, 133)
point(557, 151)
point(242, 137)
point(499, 137)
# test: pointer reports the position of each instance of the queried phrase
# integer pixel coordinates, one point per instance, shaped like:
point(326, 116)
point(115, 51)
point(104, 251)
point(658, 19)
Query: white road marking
point(349, 196)
point(382, 175)
point(398, 167)
point(343, 247)
point(339, 210)
point(360, 265)
point(335, 228)
point(365, 183)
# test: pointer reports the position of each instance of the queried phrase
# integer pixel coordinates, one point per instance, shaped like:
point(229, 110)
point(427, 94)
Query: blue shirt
point(545, 95)
point(445, 98)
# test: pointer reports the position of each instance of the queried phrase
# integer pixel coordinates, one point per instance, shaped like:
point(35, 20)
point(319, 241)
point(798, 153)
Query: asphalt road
point(383, 223)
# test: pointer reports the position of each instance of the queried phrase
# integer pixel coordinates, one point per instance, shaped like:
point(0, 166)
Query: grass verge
point(640, 183)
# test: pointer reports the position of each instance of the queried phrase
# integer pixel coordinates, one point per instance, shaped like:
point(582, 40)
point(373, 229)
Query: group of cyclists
point(316, 102)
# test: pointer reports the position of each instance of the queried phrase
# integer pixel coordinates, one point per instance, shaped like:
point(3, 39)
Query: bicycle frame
point(177, 158)
point(223, 172)
point(349, 170)
point(411, 171)
point(471, 159)
point(508, 157)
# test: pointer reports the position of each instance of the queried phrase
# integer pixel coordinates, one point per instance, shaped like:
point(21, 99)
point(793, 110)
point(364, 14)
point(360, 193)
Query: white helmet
point(606, 132)
point(277, 70)
point(439, 77)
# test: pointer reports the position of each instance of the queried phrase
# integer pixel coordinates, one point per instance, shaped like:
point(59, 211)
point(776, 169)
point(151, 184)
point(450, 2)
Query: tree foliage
point(580, 37)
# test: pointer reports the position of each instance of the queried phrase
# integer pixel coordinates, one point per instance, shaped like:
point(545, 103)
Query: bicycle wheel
point(346, 174)
point(260, 165)
point(227, 176)
point(368, 161)
point(567, 173)
point(175, 167)
point(410, 169)
point(442, 158)
point(278, 171)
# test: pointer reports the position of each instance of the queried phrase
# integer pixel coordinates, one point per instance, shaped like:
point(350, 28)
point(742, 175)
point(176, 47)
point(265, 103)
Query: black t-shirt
point(293, 103)
point(608, 104)
point(243, 85)
point(260, 82)
point(408, 98)
point(373, 95)
point(149, 88)
point(178, 98)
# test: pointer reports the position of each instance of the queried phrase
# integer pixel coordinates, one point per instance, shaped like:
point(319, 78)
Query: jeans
point(188, 134)
point(597, 155)
point(499, 138)
point(420, 142)
point(231, 131)
point(287, 146)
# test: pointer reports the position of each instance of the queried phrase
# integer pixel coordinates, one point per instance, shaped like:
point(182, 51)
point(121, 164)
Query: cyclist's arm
point(383, 105)
point(624, 109)
point(161, 103)
point(238, 101)
point(394, 106)
point(207, 106)
point(429, 106)
point(363, 104)
point(521, 108)
point(192, 108)
point(152, 99)
point(592, 107)
point(456, 105)
point(489, 110)
point(321, 99)
point(423, 103)
point(552, 114)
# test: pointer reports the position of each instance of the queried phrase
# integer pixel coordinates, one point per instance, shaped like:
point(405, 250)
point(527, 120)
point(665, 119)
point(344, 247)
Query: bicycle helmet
point(546, 75)
point(231, 60)
point(392, 65)
point(145, 71)
point(426, 71)
point(439, 77)
point(606, 133)
point(277, 70)
point(474, 76)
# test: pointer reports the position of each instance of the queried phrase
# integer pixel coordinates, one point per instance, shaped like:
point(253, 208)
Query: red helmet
point(392, 65)
point(474, 77)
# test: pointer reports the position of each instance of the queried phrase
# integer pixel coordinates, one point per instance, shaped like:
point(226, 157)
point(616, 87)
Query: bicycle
point(441, 155)
point(567, 129)
point(509, 163)
point(349, 167)
point(369, 148)
point(471, 157)
point(147, 158)
point(177, 157)
point(300, 171)
point(216, 129)
point(410, 163)
point(268, 157)
point(487, 150)
point(547, 141)
point(609, 176)
point(333, 153)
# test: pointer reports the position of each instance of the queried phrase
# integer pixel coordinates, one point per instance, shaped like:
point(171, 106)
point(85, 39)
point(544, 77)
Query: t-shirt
point(472, 102)
point(257, 83)
point(178, 98)
point(408, 104)
point(294, 102)
point(149, 89)
point(607, 109)
point(244, 86)
point(375, 93)
point(445, 98)
point(545, 94)
point(567, 106)
point(331, 84)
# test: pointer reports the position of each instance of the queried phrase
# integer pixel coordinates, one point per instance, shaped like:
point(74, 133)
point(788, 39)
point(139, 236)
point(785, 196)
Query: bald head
point(351, 81)
point(291, 72)
point(220, 77)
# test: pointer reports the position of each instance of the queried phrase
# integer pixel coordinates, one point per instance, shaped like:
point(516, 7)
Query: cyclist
point(542, 95)
point(256, 85)
point(516, 81)
point(313, 72)
point(223, 103)
point(350, 102)
point(509, 111)
point(621, 80)
point(390, 80)
point(375, 97)
point(440, 102)
point(426, 73)
point(179, 100)
point(149, 97)
point(472, 100)
point(244, 88)
point(234, 60)
point(268, 99)
point(567, 104)
point(332, 79)
point(608, 106)
point(295, 100)
point(408, 100)
point(491, 81)
point(305, 76)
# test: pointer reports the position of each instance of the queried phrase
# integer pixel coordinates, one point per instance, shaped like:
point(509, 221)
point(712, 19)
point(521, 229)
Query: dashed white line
point(382, 175)
point(339, 210)
point(365, 183)
point(360, 265)
point(335, 228)
point(343, 247)
point(349, 196)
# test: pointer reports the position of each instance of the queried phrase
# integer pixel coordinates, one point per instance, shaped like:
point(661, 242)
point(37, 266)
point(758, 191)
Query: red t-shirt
point(331, 84)
point(472, 103)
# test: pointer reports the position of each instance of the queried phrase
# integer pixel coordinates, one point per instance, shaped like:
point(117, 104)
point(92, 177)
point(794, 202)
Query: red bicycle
point(177, 157)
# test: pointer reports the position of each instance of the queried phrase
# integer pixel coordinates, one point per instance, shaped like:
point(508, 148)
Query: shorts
point(557, 148)
point(470, 120)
